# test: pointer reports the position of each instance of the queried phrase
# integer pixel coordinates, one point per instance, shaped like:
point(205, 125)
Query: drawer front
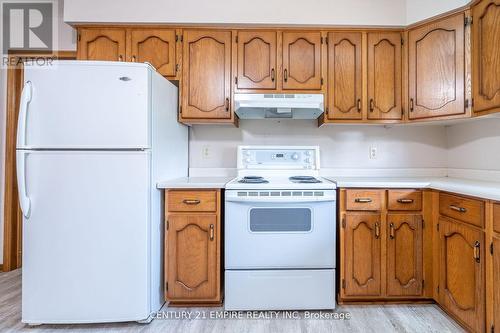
point(192, 201)
point(364, 200)
point(405, 200)
point(462, 209)
point(496, 217)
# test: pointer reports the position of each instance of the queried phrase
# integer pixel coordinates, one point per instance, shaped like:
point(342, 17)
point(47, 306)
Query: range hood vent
point(291, 106)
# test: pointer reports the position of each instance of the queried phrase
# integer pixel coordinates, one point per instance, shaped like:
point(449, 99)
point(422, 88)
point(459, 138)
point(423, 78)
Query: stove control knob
point(248, 160)
point(295, 156)
point(307, 160)
point(308, 153)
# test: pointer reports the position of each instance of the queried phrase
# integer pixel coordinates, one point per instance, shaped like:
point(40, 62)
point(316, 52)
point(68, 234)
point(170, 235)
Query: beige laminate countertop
point(194, 182)
point(475, 188)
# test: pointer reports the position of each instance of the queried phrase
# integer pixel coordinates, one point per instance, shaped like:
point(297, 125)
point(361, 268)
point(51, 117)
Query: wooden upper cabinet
point(102, 44)
point(156, 46)
point(436, 69)
point(384, 76)
point(462, 273)
point(302, 60)
point(257, 57)
point(404, 255)
point(206, 87)
point(344, 75)
point(362, 254)
point(193, 264)
point(486, 55)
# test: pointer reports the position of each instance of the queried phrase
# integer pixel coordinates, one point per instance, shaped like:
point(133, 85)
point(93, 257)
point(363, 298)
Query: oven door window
point(280, 220)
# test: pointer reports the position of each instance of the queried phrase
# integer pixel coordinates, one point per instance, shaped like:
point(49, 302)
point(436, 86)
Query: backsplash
point(342, 146)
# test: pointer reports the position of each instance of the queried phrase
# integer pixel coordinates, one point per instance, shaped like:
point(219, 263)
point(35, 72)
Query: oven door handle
point(285, 200)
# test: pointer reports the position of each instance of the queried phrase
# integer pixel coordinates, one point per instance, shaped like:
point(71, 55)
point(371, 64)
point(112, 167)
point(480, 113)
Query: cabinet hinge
point(467, 104)
point(423, 284)
point(166, 286)
point(176, 67)
point(423, 223)
point(491, 248)
point(181, 38)
point(326, 111)
point(236, 39)
point(326, 40)
point(467, 20)
point(438, 226)
point(322, 81)
point(167, 224)
point(180, 110)
point(321, 40)
point(438, 289)
point(79, 36)
point(176, 38)
point(343, 283)
point(492, 330)
point(235, 80)
point(472, 103)
point(402, 41)
point(343, 222)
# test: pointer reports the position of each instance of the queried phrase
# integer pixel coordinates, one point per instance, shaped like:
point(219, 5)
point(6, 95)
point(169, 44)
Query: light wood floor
point(375, 318)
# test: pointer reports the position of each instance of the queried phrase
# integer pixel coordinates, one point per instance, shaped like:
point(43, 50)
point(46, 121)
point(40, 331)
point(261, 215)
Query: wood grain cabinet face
point(486, 55)
point(362, 254)
point(404, 255)
point(105, 44)
point(192, 264)
point(206, 88)
point(344, 75)
point(257, 57)
point(404, 200)
point(496, 217)
point(436, 69)
point(384, 76)
point(496, 281)
point(302, 60)
point(462, 273)
point(156, 46)
point(361, 199)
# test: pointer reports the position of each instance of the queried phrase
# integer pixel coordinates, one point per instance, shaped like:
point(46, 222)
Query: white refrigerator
point(94, 138)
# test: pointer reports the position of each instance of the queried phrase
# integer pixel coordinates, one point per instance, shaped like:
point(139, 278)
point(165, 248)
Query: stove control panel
point(289, 158)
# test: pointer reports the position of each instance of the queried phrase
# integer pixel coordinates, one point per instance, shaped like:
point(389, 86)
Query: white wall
point(417, 10)
point(474, 148)
point(317, 12)
point(342, 146)
point(66, 40)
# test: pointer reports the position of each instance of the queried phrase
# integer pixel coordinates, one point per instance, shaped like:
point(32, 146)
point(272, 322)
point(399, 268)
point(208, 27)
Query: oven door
point(280, 232)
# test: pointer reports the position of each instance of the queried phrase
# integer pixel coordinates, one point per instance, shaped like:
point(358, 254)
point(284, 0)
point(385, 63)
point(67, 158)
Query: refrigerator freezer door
point(96, 105)
point(86, 241)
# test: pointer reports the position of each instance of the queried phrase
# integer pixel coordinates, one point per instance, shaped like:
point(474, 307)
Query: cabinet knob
point(212, 232)
point(285, 75)
point(372, 107)
point(359, 104)
point(377, 230)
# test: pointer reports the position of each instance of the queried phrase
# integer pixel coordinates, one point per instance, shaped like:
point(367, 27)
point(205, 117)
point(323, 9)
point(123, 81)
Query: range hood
point(291, 106)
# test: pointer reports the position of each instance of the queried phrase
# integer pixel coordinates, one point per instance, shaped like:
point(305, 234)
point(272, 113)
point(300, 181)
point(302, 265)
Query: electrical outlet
point(373, 153)
point(206, 153)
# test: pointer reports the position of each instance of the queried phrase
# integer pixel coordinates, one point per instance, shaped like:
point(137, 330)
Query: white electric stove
point(280, 224)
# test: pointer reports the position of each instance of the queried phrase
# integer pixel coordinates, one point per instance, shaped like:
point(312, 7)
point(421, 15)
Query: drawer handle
point(362, 200)
point(458, 209)
point(406, 201)
point(477, 251)
point(391, 231)
point(191, 201)
point(377, 230)
point(212, 232)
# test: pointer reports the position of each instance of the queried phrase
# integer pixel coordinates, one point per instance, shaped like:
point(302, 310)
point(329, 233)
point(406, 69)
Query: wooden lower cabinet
point(362, 256)
point(404, 255)
point(462, 281)
point(495, 287)
point(192, 253)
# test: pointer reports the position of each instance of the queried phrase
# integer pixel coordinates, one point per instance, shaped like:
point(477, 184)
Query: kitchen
point(397, 201)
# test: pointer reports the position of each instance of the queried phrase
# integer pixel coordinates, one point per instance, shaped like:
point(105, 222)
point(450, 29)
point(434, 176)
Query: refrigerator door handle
point(24, 200)
point(23, 113)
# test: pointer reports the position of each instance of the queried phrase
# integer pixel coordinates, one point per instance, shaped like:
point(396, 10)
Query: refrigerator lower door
point(86, 240)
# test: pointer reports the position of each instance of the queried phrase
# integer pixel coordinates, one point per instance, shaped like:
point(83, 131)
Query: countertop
point(475, 188)
point(195, 182)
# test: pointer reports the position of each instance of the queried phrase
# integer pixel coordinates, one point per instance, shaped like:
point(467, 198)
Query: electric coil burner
point(280, 224)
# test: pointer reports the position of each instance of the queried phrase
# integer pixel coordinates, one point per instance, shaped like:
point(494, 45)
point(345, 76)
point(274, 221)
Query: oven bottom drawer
point(279, 289)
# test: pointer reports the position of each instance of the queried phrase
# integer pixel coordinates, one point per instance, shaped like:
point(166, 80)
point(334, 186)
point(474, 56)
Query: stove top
point(304, 179)
point(253, 180)
point(280, 182)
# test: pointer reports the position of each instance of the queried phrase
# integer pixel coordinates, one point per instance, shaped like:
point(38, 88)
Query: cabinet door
point(384, 76)
point(486, 55)
point(462, 273)
point(156, 46)
point(404, 255)
point(362, 254)
point(206, 86)
point(193, 263)
point(496, 281)
point(436, 69)
point(101, 44)
point(256, 60)
point(302, 60)
point(344, 75)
